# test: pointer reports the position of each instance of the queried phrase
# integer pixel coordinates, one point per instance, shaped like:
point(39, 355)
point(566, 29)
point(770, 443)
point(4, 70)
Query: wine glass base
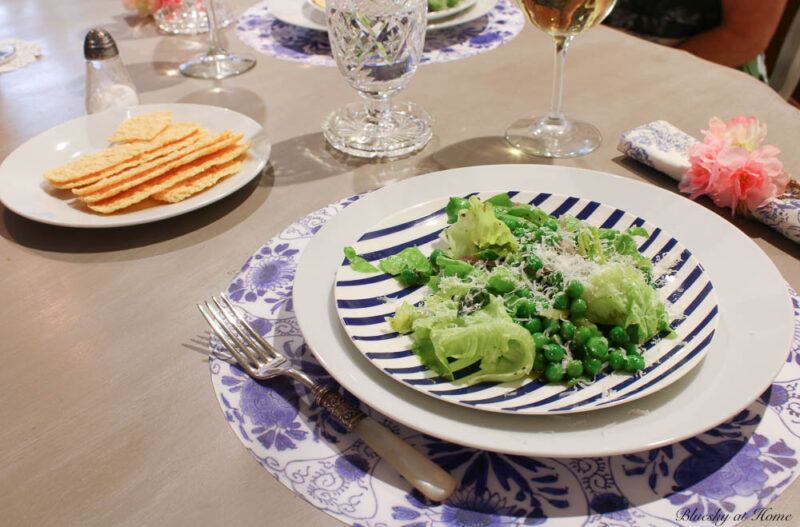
point(535, 136)
point(217, 66)
point(349, 130)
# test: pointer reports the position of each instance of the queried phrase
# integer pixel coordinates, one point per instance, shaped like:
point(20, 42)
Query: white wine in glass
point(554, 135)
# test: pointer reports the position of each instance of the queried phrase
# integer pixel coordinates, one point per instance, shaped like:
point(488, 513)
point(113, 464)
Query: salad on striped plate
point(507, 294)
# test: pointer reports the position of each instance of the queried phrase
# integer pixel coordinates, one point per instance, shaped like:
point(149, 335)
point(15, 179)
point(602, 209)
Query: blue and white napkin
point(662, 146)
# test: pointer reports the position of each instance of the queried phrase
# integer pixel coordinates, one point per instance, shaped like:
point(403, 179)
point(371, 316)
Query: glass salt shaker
point(108, 84)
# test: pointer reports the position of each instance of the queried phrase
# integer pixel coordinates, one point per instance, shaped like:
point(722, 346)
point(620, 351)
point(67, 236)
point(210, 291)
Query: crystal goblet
point(377, 46)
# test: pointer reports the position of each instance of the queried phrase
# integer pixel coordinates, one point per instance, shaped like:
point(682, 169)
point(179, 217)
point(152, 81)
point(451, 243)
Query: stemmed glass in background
point(217, 63)
point(554, 135)
point(377, 46)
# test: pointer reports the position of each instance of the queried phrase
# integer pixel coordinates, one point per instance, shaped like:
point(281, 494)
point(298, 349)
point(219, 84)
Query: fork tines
point(244, 343)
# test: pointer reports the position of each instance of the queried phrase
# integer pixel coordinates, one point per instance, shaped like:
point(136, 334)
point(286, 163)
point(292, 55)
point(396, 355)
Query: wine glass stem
point(213, 38)
point(555, 117)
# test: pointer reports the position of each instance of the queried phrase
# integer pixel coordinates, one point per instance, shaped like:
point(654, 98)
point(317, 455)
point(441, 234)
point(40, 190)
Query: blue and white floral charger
point(259, 29)
point(730, 473)
point(664, 147)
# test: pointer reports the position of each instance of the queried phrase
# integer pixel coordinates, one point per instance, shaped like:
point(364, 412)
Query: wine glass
point(377, 46)
point(554, 135)
point(217, 63)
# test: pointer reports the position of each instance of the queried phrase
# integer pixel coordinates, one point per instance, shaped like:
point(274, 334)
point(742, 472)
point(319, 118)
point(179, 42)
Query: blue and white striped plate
point(364, 300)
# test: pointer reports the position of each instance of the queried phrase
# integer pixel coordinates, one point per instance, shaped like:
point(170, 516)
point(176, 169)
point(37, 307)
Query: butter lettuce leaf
point(448, 343)
point(478, 229)
point(618, 295)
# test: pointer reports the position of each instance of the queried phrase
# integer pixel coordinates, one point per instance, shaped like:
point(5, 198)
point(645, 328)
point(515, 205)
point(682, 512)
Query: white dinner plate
point(363, 302)
point(301, 13)
point(24, 190)
point(749, 347)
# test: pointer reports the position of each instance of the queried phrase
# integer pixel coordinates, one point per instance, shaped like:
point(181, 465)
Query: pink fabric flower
point(147, 7)
point(732, 168)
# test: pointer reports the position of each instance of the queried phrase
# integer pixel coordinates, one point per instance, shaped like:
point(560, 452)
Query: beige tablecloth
point(108, 415)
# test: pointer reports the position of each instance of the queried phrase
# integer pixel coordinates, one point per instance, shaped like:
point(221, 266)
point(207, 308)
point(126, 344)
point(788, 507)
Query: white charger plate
point(748, 349)
point(363, 302)
point(24, 190)
point(303, 14)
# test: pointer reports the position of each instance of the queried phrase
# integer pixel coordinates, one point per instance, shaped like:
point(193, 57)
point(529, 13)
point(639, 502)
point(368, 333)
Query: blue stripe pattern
point(364, 302)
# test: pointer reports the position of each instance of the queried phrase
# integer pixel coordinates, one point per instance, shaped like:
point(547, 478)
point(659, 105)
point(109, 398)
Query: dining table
point(109, 415)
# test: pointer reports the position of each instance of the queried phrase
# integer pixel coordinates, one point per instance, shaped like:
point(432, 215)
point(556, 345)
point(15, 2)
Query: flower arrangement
point(147, 7)
point(733, 168)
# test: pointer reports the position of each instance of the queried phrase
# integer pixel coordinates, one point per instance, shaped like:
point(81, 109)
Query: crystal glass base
point(189, 17)
point(350, 130)
point(218, 66)
point(535, 136)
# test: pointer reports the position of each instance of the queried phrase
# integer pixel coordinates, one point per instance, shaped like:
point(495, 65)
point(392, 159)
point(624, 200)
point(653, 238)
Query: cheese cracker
point(86, 167)
point(143, 127)
point(222, 160)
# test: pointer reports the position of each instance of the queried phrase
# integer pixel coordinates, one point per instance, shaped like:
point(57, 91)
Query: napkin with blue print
point(664, 147)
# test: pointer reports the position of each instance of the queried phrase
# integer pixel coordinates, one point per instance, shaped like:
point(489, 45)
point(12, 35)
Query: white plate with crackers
point(134, 165)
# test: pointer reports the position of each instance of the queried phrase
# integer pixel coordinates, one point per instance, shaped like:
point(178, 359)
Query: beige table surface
point(108, 415)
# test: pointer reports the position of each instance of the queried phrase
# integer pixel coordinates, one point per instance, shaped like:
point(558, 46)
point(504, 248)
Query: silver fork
point(262, 361)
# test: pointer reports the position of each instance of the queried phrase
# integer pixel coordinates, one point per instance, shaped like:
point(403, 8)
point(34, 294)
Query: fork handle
point(425, 475)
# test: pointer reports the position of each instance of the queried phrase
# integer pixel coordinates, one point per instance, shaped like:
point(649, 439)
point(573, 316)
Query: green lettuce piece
point(404, 318)
point(618, 295)
point(454, 205)
point(476, 230)
point(409, 266)
point(358, 263)
point(447, 344)
point(500, 200)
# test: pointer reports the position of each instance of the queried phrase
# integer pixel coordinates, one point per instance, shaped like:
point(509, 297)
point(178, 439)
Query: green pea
point(534, 325)
point(574, 289)
point(574, 369)
point(551, 325)
point(488, 254)
point(561, 302)
point(567, 330)
point(541, 340)
point(616, 359)
point(618, 337)
point(539, 362)
point(577, 308)
point(551, 223)
point(582, 336)
point(525, 308)
point(554, 372)
point(533, 263)
point(592, 367)
point(597, 347)
point(553, 352)
point(634, 362)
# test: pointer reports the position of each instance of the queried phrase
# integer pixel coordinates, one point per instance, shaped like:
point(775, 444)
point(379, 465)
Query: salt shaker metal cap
point(99, 45)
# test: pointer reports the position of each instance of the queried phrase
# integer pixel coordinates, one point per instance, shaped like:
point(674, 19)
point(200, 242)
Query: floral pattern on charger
point(260, 30)
point(734, 469)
